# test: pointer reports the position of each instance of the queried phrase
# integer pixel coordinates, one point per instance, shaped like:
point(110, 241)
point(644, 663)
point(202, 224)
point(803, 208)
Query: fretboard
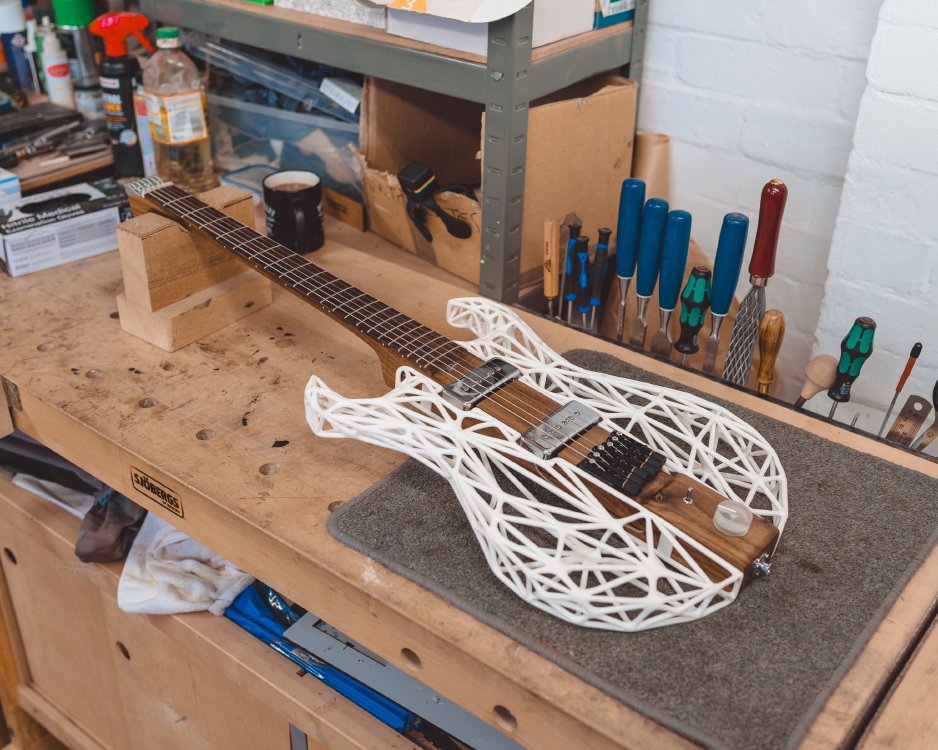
point(370, 317)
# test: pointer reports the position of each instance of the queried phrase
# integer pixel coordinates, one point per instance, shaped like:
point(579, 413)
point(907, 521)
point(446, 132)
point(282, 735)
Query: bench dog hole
point(411, 660)
point(123, 649)
point(268, 469)
point(146, 403)
point(9, 555)
point(505, 719)
point(206, 434)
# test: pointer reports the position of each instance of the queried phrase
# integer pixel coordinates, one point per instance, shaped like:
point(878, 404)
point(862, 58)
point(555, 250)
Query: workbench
point(205, 422)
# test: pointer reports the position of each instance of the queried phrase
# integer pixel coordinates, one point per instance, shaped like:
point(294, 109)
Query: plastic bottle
point(72, 18)
point(56, 73)
point(120, 73)
point(178, 121)
point(13, 39)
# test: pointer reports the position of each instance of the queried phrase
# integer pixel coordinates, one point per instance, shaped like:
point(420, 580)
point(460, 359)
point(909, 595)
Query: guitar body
point(607, 502)
point(544, 524)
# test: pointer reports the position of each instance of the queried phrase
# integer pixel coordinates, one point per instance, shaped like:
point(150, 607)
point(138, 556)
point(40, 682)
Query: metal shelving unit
point(505, 83)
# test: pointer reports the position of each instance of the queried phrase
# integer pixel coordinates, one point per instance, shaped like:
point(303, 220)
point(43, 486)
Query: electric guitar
point(607, 502)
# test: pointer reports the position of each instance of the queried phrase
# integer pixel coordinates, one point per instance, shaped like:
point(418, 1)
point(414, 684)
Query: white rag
point(167, 573)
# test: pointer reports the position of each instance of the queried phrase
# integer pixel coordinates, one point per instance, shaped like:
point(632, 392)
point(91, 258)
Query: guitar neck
point(387, 330)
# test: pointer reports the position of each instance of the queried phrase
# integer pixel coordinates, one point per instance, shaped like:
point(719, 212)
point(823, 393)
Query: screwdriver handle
point(598, 271)
point(855, 349)
point(771, 208)
point(649, 245)
point(582, 274)
point(695, 301)
point(631, 200)
point(771, 334)
point(913, 356)
point(569, 289)
point(729, 262)
point(673, 258)
point(551, 259)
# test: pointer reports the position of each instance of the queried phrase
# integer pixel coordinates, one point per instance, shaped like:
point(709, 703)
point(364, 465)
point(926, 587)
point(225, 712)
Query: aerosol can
point(120, 74)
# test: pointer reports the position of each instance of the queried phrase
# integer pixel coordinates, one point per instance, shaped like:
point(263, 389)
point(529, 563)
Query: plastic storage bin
point(245, 134)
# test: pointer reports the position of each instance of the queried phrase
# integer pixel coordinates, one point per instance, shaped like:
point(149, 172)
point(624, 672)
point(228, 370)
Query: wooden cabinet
point(101, 679)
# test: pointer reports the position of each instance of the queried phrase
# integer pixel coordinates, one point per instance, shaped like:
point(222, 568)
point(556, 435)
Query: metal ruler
point(930, 434)
point(909, 421)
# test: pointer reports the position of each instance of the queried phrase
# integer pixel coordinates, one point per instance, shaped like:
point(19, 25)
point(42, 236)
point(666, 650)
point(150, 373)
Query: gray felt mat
point(752, 675)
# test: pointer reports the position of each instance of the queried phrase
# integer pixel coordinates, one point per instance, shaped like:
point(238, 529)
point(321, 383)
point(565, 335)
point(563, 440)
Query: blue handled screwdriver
point(649, 261)
point(631, 201)
point(598, 274)
point(566, 281)
point(726, 267)
point(581, 278)
point(673, 263)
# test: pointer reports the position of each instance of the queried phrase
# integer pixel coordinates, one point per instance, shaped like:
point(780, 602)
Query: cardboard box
point(579, 151)
point(611, 12)
point(49, 229)
point(9, 190)
point(553, 20)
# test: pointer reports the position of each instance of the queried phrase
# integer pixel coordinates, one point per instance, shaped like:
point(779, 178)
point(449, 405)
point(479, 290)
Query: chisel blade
point(909, 421)
point(661, 344)
point(745, 334)
point(637, 333)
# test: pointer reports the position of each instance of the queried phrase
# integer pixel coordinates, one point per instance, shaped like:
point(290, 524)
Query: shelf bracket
point(507, 96)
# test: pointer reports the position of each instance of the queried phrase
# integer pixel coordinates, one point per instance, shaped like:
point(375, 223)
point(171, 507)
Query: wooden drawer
point(103, 679)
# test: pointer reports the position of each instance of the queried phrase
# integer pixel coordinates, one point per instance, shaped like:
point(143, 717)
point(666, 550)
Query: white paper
point(471, 11)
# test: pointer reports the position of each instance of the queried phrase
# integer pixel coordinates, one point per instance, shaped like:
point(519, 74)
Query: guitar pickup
point(480, 383)
point(559, 429)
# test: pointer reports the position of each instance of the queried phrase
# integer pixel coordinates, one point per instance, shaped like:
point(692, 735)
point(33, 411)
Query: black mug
point(293, 206)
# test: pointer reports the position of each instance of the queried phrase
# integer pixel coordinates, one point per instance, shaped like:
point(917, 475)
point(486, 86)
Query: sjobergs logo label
point(156, 491)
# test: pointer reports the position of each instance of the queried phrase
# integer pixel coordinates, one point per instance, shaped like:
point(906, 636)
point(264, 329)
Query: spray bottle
point(119, 77)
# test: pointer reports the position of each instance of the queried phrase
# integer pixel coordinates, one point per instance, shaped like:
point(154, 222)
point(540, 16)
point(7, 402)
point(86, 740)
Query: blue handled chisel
point(650, 242)
point(726, 267)
point(581, 279)
point(673, 263)
point(631, 200)
point(566, 276)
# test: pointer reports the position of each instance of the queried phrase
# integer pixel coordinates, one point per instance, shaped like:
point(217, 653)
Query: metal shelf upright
point(505, 83)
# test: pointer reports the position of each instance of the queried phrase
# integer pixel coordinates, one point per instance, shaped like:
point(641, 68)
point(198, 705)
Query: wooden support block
point(163, 263)
point(176, 325)
point(178, 285)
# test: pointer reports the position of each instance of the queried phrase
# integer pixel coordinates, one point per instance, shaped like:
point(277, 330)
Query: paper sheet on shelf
point(472, 11)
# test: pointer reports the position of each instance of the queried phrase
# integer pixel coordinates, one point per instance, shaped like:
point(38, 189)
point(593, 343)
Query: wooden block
point(176, 325)
point(6, 419)
point(163, 263)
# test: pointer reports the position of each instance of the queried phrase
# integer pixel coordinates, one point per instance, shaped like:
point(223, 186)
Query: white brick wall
point(884, 258)
point(749, 90)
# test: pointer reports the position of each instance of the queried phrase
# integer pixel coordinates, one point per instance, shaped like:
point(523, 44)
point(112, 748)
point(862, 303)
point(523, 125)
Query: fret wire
point(333, 297)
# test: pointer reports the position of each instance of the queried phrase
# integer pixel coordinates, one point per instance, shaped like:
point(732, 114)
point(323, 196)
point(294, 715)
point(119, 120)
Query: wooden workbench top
point(219, 427)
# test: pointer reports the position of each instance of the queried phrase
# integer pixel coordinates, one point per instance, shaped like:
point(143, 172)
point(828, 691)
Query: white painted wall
point(884, 258)
point(749, 90)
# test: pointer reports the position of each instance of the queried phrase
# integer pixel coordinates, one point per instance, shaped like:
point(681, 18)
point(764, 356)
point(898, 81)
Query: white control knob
point(733, 518)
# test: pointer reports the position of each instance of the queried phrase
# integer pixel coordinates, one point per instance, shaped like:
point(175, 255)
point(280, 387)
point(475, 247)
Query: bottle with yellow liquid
point(176, 110)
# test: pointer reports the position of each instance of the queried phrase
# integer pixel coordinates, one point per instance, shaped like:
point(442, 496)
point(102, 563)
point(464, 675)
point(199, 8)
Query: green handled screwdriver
point(855, 349)
point(695, 301)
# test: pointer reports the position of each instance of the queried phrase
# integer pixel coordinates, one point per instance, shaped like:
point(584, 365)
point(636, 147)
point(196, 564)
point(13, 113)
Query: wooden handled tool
point(771, 334)
point(819, 375)
point(551, 263)
point(761, 269)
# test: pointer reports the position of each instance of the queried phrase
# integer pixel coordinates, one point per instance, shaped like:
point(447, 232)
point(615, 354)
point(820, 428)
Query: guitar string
point(449, 359)
point(306, 266)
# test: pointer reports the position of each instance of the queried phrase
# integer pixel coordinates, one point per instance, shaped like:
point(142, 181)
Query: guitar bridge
point(479, 383)
point(559, 429)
